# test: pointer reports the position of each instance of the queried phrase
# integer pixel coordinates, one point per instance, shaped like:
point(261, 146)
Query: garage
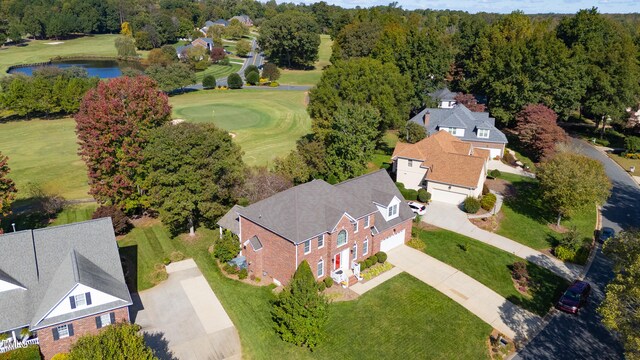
point(392, 241)
point(447, 196)
point(493, 152)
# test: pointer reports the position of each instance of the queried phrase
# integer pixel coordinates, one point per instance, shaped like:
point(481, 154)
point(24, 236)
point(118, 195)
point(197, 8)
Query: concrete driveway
point(183, 319)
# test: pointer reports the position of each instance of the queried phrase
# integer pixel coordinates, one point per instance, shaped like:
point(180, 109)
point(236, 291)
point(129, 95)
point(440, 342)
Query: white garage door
point(493, 152)
point(447, 196)
point(392, 241)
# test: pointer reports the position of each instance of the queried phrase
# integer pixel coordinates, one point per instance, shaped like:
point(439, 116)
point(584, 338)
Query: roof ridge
point(361, 176)
point(70, 224)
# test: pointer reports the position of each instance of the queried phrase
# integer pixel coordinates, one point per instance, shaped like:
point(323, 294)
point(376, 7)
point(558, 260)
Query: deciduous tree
point(300, 312)
point(470, 102)
point(235, 30)
point(538, 131)
point(7, 187)
point(621, 303)
point(413, 133)
point(290, 39)
point(270, 71)
point(293, 167)
point(113, 126)
point(243, 48)
point(171, 77)
point(234, 81)
point(125, 46)
point(193, 171)
point(116, 341)
point(260, 183)
point(571, 182)
point(217, 54)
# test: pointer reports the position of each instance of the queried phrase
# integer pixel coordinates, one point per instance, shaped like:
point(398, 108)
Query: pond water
point(104, 69)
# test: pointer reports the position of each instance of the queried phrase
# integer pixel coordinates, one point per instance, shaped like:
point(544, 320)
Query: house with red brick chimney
point(59, 283)
point(332, 227)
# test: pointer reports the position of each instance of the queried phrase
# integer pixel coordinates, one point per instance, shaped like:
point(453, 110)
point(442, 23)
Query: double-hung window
point(320, 268)
point(365, 247)
point(366, 222)
point(393, 210)
point(307, 246)
point(320, 241)
point(342, 238)
point(483, 133)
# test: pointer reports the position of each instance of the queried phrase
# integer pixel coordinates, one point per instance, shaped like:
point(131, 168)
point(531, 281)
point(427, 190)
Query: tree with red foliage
point(217, 54)
point(7, 187)
point(470, 102)
point(538, 131)
point(112, 127)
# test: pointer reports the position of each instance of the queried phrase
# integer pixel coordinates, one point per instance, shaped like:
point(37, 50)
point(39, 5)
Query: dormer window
point(393, 211)
point(452, 131)
point(483, 133)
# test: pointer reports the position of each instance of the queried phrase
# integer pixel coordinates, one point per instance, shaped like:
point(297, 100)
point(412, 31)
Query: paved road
point(583, 337)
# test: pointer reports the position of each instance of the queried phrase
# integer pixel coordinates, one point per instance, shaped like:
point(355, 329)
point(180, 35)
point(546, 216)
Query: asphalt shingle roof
point(307, 210)
point(463, 118)
point(230, 220)
point(50, 262)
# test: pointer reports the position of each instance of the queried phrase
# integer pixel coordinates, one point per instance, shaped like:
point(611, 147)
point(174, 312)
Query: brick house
point(60, 283)
point(476, 128)
point(330, 226)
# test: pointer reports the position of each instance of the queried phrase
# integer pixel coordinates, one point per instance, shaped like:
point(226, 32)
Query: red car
point(575, 297)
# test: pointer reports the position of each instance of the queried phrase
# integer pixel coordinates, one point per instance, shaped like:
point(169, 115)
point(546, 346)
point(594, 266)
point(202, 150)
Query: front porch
point(18, 338)
point(347, 277)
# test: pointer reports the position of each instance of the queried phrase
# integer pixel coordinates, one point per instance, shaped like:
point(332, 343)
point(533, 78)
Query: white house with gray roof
point(60, 282)
point(477, 128)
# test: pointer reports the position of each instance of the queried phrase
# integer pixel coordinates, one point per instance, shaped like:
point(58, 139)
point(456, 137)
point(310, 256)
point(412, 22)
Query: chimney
point(427, 116)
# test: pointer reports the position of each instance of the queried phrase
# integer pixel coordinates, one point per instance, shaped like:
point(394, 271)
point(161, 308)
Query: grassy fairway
point(218, 71)
point(39, 50)
point(526, 219)
point(490, 266)
point(267, 123)
point(44, 152)
point(402, 318)
point(310, 77)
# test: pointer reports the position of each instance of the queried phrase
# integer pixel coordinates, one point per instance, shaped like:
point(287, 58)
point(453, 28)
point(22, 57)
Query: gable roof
point(447, 159)
point(461, 117)
point(50, 262)
point(230, 220)
point(443, 94)
point(306, 210)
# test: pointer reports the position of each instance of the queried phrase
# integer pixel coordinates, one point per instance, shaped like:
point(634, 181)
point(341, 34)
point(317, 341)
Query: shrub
point(227, 247)
point(209, 81)
point(58, 356)
point(250, 69)
point(363, 265)
point(488, 201)
point(377, 271)
point(373, 259)
point(166, 261)
point(563, 253)
point(382, 257)
point(409, 194)
point(232, 269)
point(31, 352)
point(582, 255)
point(508, 158)
point(632, 144)
point(368, 263)
point(176, 256)
point(253, 78)
point(495, 173)
point(243, 274)
point(273, 84)
point(424, 196)
point(321, 286)
point(119, 220)
point(572, 240)
point(257, 279)
point(471, 205)
point(159, 274)
point(485, 189)
point(400, 186)
point(464, 247)
point(519, 271)
point(328, 282)
point(224, 61)
point(235, 81)
point(201, 65)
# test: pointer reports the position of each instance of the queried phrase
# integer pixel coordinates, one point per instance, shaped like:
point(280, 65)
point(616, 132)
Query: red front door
point(336, 263)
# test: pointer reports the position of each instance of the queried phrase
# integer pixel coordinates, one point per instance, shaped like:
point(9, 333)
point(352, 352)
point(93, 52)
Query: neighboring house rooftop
point(44, 265)
point(443, 94)
point(220, 22)
point(203, 39)
point(460, 117)
point(245, 19)
point(448, 159)
point(310, 209)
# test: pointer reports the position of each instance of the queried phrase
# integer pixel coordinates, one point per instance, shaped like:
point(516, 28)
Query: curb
point(615, 162)
point(594, 251)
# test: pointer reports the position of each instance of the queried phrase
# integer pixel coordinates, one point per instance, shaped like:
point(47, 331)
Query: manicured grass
point(491, 267)
point(382, 156)
point(310, 77)
point(219, 71)
point(526, 218)
point(39, 50)
point(402, 318)
point(44, 152)
point(267, 123)
point(526, 161)
point(626, 163)
point(75, 213)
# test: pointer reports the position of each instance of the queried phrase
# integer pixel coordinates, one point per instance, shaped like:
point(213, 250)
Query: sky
point(500, 6)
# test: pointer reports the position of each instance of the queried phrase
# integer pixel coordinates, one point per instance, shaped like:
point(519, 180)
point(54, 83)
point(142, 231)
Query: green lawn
point(402, 318)
point(490, 266)
point(310, 77)
point(75, 213)
point(626, 163)
point(526, 219)
point(267, 123)
point(41, 50)
point(44, 152)
point(219, 71)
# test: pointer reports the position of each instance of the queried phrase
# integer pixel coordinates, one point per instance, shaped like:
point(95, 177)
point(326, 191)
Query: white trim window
point(307, 247)
point(452, 131)
point(393, 211)
point(320, 241)
point(63, 331)
point(105, 319)
point(355, 226)
point(80, 300)
point(365, 247)
point(320, 268)
point(342, 238)
point(483, 133)
point(366, 222)
point(410, 163)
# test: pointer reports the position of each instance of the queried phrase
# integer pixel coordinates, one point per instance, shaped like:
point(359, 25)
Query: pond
point(104, 69)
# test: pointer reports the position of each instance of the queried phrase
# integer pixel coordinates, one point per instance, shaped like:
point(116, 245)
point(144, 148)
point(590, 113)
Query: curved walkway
point(450, 217)
point(511, 320)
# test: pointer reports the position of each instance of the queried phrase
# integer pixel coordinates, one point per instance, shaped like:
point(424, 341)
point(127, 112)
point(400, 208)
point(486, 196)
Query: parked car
point(605, 233)
point(575, 297)
point(417, 208)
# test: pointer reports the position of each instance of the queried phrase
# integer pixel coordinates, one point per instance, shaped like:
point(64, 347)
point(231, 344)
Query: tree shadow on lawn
point(527, 200)
point(545, 289)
